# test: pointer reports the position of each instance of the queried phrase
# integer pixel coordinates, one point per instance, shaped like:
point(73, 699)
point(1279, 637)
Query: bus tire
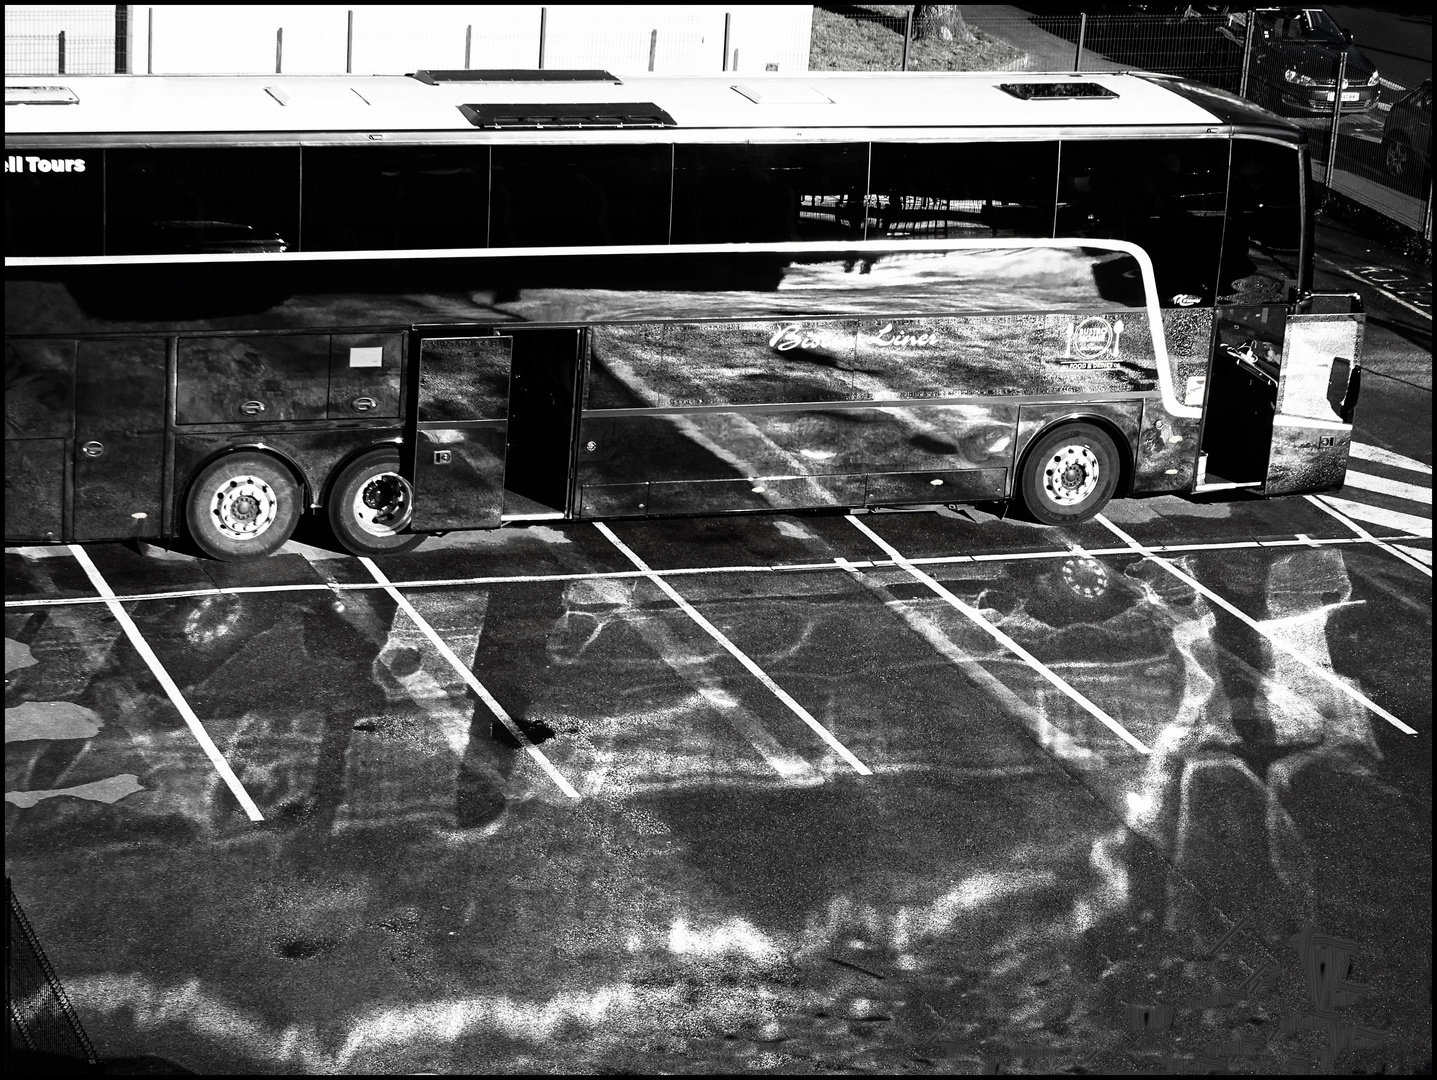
point(371, 505)
point(243, 506)
point(1069, 474)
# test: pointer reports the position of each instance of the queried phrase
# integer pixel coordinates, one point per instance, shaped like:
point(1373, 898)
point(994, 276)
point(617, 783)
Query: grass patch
point(851, 37)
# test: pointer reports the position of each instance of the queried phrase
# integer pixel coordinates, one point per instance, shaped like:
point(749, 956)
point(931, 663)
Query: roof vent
point(536, 75)
point(607, 114)
point(1036, 91)
point(782, 93)
point(40, 95)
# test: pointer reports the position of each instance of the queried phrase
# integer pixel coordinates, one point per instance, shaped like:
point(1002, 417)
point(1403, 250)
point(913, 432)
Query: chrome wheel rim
point(1070, 474)
point(244, 507)
point(383, 504)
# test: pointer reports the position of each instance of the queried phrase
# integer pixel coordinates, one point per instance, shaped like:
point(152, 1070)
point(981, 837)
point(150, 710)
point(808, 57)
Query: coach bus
point(461, 299)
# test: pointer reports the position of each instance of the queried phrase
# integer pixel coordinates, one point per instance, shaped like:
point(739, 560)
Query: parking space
point(795, 791)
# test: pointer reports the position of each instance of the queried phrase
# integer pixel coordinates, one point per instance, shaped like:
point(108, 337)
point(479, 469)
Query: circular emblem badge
point(1093, 337)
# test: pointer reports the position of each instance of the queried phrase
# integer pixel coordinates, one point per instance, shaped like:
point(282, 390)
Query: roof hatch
point(537, 75)
point(1038, 91)
point(782, 93)
point(608, 114)
point(40, 95)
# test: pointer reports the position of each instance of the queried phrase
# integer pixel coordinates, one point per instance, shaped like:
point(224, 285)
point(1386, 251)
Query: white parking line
point(1321, 672)
point(1398, 489)
point(1322, 503)
point(1374, 285)
point(470, 678)
point(1379, 515)
point(1368, 452)
point(172, 690)
point(737, 653)
point(1003, 639)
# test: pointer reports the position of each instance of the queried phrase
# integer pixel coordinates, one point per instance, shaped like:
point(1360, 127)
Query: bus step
point(548, 515)
point(1217, 484)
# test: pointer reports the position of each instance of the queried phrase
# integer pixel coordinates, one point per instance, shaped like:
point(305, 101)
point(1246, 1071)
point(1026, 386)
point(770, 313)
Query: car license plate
point(1349, 95)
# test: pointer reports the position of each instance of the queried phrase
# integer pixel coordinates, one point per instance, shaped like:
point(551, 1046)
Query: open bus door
point(1281, 392)
point(493, 427)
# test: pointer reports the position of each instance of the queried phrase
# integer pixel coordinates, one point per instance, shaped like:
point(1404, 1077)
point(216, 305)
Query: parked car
point(1407, 135)
point(1295, 58)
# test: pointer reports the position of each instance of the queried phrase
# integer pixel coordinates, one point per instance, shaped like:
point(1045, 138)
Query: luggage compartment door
point(462, 431)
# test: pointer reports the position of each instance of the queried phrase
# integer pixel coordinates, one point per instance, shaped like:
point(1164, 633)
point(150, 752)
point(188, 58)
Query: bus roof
point(60, 105)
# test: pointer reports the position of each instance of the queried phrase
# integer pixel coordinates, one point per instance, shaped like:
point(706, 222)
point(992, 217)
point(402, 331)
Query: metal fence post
point(278, 50)
point(543, 29)
point(653, 47)
point(1247, 52)
point(122, 39)
point(468, 44)
point(726, 25)
point(150, 43)
point(62, 53)
point(349, 46)
point(1082, 32)
point(907, 35)
point(1336, 116)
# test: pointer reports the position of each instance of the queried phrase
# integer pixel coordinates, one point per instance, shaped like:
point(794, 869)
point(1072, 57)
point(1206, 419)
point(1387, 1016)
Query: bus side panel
point(39, 426)
point(776, 457)
point(119, 438)
point(34, 489)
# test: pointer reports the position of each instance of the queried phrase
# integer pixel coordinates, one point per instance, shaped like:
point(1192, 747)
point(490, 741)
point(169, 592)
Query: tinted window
point(968, 189)
point(1264, 222)
point(1166, 195)
point(756, 194)
point(54, 202)
point(202, 201)
point(395, 197)
point(560, 196)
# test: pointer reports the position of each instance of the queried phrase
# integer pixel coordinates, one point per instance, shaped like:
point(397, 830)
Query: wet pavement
point(896, 792)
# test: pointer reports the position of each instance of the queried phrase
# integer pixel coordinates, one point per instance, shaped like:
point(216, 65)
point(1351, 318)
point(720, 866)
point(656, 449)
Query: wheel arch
point(301, 478)
point(337, 470)
point(1105, 424)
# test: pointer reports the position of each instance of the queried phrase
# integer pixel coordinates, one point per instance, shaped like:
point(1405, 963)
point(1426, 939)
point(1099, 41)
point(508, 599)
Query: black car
point(1407, 135)
point(1295, 55)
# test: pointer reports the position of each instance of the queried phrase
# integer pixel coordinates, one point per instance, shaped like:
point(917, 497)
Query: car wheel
point(371, 506)
point(1069, 475)
point(1396, 156)
point(243, 506)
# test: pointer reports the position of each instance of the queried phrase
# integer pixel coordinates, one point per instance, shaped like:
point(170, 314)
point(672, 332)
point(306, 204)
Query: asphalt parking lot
point(894, 791)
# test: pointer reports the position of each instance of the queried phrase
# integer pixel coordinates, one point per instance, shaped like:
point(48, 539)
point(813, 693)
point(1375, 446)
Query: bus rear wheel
point(1069, 475)
point(243, 506)
point(371, 505)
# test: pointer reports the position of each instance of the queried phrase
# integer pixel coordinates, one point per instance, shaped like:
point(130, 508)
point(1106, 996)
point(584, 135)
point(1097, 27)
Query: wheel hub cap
point(245, 507)
point(383, 505)
point(1071, 475)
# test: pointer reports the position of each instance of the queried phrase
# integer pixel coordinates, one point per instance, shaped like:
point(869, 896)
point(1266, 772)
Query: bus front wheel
point(1069, 475)
point(371, 505)
point(243, 506)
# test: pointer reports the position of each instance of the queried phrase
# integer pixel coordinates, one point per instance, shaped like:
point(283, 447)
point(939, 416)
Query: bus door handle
point(363, 404)
point(252, 408)
point(92, 449)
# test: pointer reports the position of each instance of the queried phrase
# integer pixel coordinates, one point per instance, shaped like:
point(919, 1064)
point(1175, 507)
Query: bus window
point(1166, 195)
point(222, 201)
point(1264, 223)
point(54, 202)
point(390, 197)
point(754, 193)
point(563, 196)
point(964, 189)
